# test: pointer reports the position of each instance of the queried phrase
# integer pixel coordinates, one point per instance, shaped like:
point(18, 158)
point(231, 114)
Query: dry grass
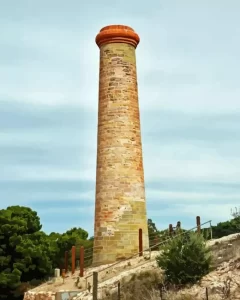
point(154, 295)
point(223, 252)
point(138, 286)
point(136, 292)
point(173, 295)
point(145, 286)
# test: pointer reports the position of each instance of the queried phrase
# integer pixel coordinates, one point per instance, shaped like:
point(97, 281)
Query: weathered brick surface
point(120, 208)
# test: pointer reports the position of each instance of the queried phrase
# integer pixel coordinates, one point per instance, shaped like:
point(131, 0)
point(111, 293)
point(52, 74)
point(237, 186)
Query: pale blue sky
point(189, 93)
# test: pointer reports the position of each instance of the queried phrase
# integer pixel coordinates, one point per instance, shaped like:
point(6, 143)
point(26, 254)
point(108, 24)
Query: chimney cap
point(117, 34)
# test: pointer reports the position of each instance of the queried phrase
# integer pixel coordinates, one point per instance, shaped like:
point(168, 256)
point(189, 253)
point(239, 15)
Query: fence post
point(81, 261)
point(73, 259)
point(198, 224)
point(63, 274)
point(66, 261)
point(206, 293)
point(211, 233)
point(119, 291)
point(95, 285)
point(170, 229)
point(140, 242)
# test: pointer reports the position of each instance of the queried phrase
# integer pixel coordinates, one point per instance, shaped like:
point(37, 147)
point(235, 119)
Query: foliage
point(27, 254)
point(79, 233)
point(157, 236)
point(24, 250)
point(153, 234)
point(185, 259)
point(64, 242)
point(152, 229)
point(226, 228)
point(235, 212)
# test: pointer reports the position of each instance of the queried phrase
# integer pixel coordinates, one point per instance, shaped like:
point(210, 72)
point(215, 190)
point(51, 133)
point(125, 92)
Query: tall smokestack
point(120, 208)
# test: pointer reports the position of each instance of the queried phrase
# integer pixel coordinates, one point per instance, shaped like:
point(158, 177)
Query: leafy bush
point(185, 259)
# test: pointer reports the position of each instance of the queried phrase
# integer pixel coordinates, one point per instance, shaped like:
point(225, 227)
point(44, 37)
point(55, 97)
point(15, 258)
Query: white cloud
point(68, 70)
point(202, 98)
point(56, 196)
point(50, 87)
point(49, 60)
point(185, 206)
point(89, 210)
point(14, 138)
point(155, 195)
point(38, 173)
point(184, 161)
point(186, 213)
point(61, 227)
point(189, 162)
point(202, 169)
point(213, 212)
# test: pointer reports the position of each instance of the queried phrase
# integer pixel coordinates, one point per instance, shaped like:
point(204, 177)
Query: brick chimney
point(120, 207)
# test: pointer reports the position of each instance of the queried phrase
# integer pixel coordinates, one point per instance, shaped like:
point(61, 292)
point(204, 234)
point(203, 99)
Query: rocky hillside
point(139, 277)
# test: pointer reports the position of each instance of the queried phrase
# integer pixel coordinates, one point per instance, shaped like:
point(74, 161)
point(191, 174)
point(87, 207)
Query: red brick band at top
point(117, 34)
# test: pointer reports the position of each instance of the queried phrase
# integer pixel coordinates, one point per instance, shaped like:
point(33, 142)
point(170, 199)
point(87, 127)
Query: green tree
point(185, 259)
point(79, 233)
point(59, 243)
point(24, 250)
point(153, 235)
point(28, 255)
point(226, 228)
point(152, 229)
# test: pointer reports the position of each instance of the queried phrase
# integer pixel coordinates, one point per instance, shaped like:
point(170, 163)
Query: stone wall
point(39, 296)
point(120, 193)
point(64, 295)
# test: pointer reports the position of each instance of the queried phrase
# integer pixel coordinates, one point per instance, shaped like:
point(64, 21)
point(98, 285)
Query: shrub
point(185, 259)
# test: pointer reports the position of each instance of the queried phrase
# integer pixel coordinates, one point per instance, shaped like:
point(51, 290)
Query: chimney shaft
point(120, 208)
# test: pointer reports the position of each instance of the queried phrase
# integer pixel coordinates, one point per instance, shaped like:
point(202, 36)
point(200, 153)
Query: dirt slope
point(226, 253)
